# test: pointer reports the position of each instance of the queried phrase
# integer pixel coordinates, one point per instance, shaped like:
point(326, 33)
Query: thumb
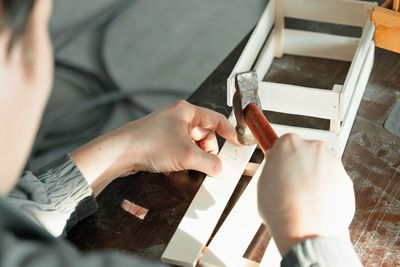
point(205, 162)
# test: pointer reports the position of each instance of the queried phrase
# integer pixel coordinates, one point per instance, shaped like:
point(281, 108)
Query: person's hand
point(178, 137)
point(304, 192)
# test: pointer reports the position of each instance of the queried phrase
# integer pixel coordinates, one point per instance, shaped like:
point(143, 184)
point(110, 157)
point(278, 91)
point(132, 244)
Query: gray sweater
point(48, 202)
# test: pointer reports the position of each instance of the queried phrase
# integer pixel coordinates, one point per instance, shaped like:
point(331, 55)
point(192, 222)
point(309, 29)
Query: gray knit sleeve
point(56, 196)
point(321, 252)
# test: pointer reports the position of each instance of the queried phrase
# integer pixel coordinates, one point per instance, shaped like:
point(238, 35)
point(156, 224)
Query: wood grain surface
point(372, 158)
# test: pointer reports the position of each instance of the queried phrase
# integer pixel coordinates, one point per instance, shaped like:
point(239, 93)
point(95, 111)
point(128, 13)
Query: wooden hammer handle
point(260, 127)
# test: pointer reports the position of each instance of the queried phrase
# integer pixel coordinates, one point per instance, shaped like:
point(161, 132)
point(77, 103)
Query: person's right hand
point(304, 192)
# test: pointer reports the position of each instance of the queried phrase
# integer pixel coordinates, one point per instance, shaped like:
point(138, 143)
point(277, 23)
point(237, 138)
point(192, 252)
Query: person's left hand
point(178, 137)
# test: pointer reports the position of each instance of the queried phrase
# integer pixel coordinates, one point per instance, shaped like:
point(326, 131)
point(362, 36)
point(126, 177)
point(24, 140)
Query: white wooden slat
point(238, 230)
point(345, 12)
point(356, 99)
point(355, 67)
point(188, 241)
point(279, 26)
point(272, 256)
point(242, 262)
point(320, 45)
point(266, 57)
point(299, 100)
point(335, 123)
point(329, 138)
point(252, 48)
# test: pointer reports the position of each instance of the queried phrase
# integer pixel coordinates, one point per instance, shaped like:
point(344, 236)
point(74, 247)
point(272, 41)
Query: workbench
point(371, 157)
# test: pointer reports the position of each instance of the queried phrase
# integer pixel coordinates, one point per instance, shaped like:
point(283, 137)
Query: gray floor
point(154, 44)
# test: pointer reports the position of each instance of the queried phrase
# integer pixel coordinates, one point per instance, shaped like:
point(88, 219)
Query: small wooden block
point(396, 5)
point(334, 126)
point(387, 28)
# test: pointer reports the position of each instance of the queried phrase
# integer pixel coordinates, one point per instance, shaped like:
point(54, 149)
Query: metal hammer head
point(246, 84)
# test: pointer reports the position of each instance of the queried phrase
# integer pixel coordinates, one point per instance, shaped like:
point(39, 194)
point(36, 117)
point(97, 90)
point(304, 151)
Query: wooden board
point(196, 227)
point(355, 68)
point(355, 100)
point(345, 12)
point(254, 45)
point(279, 26)
point(321, 45)
point(234, 236)
point(266, 57)
point(299, 100)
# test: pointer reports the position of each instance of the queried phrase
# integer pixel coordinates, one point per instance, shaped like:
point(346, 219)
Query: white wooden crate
point(339, 105)
point(271, 39)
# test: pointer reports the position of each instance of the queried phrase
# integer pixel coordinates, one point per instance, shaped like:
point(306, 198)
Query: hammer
point(252, 127)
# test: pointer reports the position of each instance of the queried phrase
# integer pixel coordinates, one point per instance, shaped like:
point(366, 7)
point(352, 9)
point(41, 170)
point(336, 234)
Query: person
point(304, 194)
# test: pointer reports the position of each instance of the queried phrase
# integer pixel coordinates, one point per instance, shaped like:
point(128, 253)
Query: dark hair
point(15, 15)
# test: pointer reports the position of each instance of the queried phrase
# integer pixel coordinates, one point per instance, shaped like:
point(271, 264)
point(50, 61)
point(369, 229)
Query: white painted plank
point(320, 45)
point(345, 12)
point(356, 99)
point(335, 123)
point(266, 57)
point(272, 256)
point(299, 100)
point(329, 138)
point(238, 229)
point(252, 48)
point(188, 241)
point(279, 26)
point(355, 67)
point(242, 262)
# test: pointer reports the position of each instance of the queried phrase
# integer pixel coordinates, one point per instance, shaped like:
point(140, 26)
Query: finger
point(206, 139)
point(202, 161)
point(209, 144)
point(211, 120)
point(199, 133)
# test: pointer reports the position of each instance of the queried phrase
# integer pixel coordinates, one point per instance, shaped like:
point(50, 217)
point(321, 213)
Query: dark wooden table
point(372, 158)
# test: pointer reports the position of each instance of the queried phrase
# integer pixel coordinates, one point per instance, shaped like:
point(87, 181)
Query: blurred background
point(118, 60)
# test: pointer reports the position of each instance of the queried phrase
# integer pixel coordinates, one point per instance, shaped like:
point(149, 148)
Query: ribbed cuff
point(67, 189)
point(322, 251)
